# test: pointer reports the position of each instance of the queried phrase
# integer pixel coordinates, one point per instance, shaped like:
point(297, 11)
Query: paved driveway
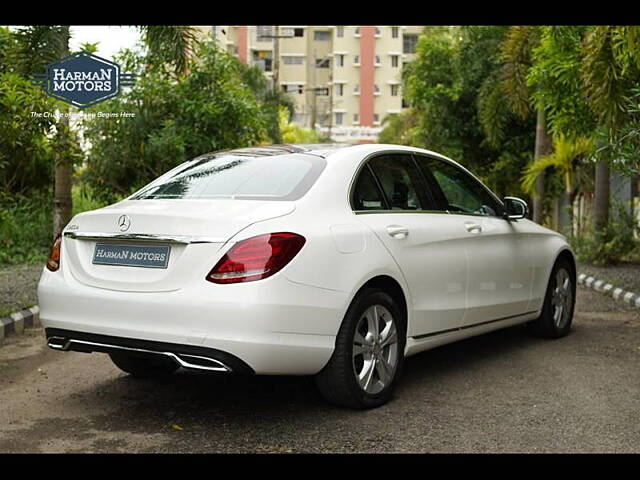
point(501, 392)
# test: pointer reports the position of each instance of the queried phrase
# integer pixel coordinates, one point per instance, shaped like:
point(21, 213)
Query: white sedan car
point(333, 261)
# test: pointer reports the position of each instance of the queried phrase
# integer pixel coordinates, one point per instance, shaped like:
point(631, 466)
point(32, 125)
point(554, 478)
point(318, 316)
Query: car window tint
point(399, 179)
point(461, 191)
point(366, 194)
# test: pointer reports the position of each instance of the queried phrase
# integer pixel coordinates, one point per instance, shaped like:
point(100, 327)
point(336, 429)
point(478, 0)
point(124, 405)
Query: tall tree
point(37, 46)
point(611, 69)
point(172, 45)
point(517, 58)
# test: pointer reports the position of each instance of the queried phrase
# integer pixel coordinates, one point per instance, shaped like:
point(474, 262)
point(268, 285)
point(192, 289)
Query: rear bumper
point(187, 356)
point(273, 326)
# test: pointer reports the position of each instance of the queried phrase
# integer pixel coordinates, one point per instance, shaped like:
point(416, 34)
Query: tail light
point(53, 262)
point(256, 258)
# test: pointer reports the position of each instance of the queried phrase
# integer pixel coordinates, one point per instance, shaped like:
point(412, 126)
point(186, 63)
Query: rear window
point(273, 177)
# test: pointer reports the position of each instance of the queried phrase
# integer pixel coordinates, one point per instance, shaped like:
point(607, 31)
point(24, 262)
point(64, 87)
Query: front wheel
point(559, 302)
point(369, 353)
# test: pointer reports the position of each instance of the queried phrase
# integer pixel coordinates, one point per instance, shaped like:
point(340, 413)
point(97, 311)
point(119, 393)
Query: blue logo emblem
point(83, 79)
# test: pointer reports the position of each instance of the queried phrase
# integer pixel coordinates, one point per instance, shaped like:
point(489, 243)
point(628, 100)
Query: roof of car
point(323, 150)
point(319, 149)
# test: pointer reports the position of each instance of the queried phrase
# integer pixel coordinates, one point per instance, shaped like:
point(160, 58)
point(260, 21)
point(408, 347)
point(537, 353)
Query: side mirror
point(515, 208)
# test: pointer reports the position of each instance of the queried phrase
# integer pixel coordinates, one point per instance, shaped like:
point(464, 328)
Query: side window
point(366, 194)
point(400, 181)
point(462, 193)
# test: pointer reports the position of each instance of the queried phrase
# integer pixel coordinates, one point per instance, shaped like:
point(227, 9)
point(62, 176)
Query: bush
point(26, 155)
point(610, 245)
point(25, 228)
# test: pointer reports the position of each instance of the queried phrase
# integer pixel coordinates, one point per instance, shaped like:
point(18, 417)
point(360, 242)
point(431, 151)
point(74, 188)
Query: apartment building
point(343, 79)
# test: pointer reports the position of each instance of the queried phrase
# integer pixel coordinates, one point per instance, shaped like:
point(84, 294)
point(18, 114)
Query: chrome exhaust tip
point(58, 343)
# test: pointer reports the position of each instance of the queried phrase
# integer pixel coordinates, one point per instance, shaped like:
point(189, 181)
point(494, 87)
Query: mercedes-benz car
point(332, 261)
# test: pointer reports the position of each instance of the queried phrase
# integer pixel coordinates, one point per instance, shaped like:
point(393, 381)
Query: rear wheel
point(557, 310)
point(144, 366)
point(369, 353)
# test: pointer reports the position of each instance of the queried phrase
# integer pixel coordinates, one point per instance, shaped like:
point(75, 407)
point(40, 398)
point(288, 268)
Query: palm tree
point(611, 68)
point(566, 160)
point(511, 83)
point(170, 44)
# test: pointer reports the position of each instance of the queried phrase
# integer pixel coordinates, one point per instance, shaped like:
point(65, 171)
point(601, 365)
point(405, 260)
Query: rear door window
point(400, 182)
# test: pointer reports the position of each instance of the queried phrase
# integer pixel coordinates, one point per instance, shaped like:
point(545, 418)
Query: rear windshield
point(273, 177)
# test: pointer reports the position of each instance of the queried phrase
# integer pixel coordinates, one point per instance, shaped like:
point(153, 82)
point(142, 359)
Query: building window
point(265, 33)
point(322, 63)
point(376, 89)
point(394, 61)
point(340, 31)
point(376, 118)
point(292, 60)
point(409, 43)
point(377, 59)
point(394, 90)
point(357, 32)
point(298, 32)
point(356, 118)
point(293, 88)
point(262, 59)
point(356, 88)
point(356, 60)
point(395, 32)
point(339, 89)
point(340, 60)
point(339, 116)
point(321, 35)
point(378, 32)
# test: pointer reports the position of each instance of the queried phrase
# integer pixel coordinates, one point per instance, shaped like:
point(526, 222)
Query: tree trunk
point(602, 195)
point(565, 214)
point(62, 203)
point(543, 147)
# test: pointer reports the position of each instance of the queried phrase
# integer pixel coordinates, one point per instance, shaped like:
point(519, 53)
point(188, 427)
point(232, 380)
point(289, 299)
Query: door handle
point(397, 231)
point(473, 227)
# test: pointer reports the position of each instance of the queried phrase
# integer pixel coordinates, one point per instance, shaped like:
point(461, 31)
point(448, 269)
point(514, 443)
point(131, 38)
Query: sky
point(111, 38)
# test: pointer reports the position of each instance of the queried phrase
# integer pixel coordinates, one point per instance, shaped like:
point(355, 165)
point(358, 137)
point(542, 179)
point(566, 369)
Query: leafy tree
point(509, 83)
point(610, 72)
point(271, 100)
point(400, 128)
point(34, 48)
point(173, 120)
point(444, 87)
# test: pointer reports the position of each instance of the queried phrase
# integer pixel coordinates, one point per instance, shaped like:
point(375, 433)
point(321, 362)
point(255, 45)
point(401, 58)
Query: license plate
point(147, 256)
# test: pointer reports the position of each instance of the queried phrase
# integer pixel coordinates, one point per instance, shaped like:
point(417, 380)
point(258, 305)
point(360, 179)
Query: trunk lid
point(195, 231)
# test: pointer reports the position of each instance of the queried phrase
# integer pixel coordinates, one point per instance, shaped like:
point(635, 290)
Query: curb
point(18, 321)
point(603, 287)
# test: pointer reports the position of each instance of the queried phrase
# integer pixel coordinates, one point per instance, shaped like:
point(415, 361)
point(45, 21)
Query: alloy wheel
point(375, 349)
point(562, 298)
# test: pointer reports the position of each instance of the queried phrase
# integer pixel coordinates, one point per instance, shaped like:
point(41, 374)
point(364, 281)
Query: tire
point(559, 303)
point(338, 381)
point(144, 366)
